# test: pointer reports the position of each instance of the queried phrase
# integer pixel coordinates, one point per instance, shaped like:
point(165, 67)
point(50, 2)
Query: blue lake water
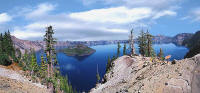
point(81, 71)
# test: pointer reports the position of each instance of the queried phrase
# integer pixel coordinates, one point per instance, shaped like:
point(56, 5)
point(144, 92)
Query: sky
point(89, 20)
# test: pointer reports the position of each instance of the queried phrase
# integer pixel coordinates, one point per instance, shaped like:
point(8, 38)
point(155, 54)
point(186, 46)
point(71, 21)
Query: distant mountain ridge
point(38, 45)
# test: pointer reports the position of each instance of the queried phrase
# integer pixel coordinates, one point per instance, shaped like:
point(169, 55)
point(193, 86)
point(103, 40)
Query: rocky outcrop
point(26, 45)
point(178, 39)
point(160, 39)
point(145, 75)
point(15, 82)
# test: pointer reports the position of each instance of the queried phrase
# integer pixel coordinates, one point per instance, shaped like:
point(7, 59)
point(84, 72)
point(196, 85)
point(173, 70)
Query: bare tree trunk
point(51, 69)
point(131, 43)
point(48, 75)
point(48, 68)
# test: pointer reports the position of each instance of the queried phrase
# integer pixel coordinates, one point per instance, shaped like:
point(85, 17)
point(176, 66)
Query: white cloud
point(113, 15)
point(96, 24)
point(4, 17)
point(185, 18)
point(156, 4)
point(193, 15)
point(164, 13)
point(196, 14)
point(69, 31)
point(41, 10)
point(121, 15)
point(27, 34)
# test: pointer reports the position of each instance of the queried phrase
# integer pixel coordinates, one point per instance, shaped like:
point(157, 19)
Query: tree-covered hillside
point(193, 44)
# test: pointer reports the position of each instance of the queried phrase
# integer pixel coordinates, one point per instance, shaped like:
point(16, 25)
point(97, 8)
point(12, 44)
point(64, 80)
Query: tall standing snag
point(118, 49)
point(131, 43)
point(124, 49)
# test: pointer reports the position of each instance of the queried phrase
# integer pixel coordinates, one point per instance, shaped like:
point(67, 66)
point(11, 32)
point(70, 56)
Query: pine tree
point(124, 49)
point(1, 49)
point(65, 86)
point(55, 82)
point(10, 46)
point(49, 50)
point(97, 75)
point(142, 43)
point(131, 43)
point(161, 55)
point(1, 43)
point(7, 51)
point(26, 61)
point(34, 66)
point(118, 49)
point(43, 67)
point(108, 65)
point(150, 51)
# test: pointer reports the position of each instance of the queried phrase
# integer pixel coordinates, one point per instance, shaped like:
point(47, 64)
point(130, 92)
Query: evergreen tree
point(26, 59)
point(49, 50)
point(50, 55)
point(108, 65)
point(55, 81)
point(7, 50)
point(118, 49)
point(150, 51)
point(142, 43)
point(161, 55)
point(43, 67)
point(9, 45)
point(131, 43)
point(124, 49)
point(1, 43)
point(65, 86)
point(34, 66)
point(97, 75)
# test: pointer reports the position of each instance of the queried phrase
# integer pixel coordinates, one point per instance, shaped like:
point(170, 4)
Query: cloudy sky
point(98, 19)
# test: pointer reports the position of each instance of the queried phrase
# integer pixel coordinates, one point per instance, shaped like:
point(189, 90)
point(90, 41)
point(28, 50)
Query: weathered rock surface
point(144, 75)
point(14, 82)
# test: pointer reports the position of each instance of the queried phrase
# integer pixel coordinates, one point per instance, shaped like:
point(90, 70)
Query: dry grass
point(14, 66)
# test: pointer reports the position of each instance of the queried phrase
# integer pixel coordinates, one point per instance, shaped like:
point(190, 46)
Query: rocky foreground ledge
point(12, 81)
point(144, 75)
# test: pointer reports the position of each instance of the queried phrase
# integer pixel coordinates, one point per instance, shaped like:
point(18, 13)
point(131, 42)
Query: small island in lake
point(78, 50)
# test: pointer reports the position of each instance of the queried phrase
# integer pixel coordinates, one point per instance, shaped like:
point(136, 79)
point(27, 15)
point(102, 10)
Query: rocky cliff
point(26, 45)
point(160, 39)
point(179, 38)
point(143, 75)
